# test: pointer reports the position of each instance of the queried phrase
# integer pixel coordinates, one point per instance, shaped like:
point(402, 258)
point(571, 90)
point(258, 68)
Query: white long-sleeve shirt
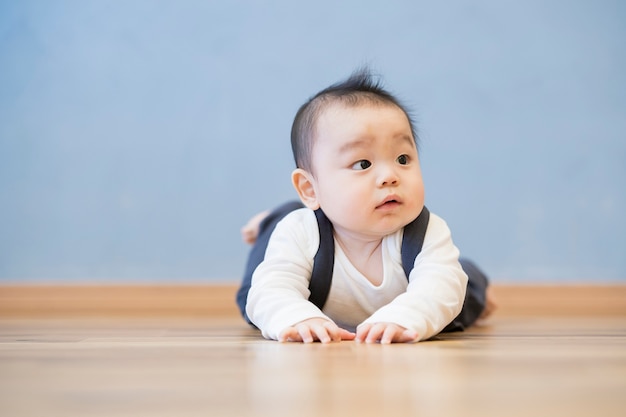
point(431, 298)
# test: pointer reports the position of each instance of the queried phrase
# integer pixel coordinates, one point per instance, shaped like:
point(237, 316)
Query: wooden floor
point(519, 363)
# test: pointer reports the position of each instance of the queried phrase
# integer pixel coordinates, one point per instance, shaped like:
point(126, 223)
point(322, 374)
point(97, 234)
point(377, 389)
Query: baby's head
point(356, 155)
point(361, 88)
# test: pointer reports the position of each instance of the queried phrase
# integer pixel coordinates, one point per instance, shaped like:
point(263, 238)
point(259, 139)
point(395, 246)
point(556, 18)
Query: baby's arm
point(278, 298)
point(434, 296)
point(315, 329)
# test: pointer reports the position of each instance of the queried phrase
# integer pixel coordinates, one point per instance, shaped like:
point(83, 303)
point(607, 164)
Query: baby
point(358, 169)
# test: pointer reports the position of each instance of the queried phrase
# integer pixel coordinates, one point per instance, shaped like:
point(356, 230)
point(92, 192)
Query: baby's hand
point(310, 330)
point(385, 333)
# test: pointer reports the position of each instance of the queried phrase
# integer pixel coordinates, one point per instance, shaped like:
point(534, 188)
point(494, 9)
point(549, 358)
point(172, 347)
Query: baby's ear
point(304, 184)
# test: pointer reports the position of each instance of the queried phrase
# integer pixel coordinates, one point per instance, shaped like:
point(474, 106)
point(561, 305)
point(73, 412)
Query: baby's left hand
point(384, 333)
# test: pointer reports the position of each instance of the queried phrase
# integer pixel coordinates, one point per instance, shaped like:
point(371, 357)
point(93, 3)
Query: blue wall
point(136, 137)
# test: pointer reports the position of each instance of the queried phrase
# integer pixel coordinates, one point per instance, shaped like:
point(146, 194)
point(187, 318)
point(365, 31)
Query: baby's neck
point(364, 253)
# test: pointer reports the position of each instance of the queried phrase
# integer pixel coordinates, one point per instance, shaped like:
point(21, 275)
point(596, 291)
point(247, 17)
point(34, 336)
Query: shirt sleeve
point(278, 296)
point(436, 290)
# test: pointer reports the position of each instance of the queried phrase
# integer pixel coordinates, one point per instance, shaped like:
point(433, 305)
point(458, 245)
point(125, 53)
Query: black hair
point(360, 87)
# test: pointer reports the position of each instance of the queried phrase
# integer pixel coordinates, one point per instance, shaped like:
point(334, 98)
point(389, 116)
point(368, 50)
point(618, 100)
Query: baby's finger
point(332, 330)
point(409, 336)
point(305, 333)
point(390, 334)
point(290, 334)
point(336, 333)
point(375, 333)
point(362, 331)
point(318, 332)
point(346, 335)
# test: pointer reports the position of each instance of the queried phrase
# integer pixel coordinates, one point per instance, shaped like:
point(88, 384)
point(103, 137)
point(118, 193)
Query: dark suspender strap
point(413, 240)
point(323, 263)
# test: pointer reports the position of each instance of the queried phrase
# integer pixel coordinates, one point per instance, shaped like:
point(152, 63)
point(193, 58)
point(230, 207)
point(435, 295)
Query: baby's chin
point(381, 232)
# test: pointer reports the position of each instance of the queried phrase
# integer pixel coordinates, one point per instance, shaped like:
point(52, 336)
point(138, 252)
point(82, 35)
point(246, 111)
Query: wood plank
point(218, 300)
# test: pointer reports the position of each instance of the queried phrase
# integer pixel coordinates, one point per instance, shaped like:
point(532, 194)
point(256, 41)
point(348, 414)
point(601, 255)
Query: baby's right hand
point(315, 329)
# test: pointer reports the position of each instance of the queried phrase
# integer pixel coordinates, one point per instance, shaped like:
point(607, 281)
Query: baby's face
point(367, 174)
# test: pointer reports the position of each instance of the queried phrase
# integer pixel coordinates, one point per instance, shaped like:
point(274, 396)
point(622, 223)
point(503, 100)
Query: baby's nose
point(388, 177)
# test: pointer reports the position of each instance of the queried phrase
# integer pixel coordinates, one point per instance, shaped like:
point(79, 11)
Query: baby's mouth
point(389, 202)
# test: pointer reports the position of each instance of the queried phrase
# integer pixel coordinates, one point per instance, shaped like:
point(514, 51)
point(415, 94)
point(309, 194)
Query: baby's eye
point(362, 164)
point(403, 159)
